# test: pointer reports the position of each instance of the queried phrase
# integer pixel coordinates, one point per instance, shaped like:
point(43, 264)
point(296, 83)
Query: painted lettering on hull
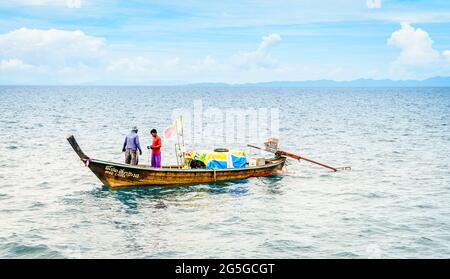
point(112, 171)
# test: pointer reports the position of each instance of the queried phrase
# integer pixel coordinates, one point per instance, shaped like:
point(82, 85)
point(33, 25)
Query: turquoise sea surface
point(395, 203)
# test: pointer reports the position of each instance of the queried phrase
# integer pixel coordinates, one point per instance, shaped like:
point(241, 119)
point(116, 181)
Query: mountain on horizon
point(430, 82)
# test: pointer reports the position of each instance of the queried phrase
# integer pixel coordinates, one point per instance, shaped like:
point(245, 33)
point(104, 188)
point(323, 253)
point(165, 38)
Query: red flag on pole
point(175, 129)
point(170, 131)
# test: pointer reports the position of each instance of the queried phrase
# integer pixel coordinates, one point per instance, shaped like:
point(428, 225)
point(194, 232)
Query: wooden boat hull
point(123, 175)
point(120, 175)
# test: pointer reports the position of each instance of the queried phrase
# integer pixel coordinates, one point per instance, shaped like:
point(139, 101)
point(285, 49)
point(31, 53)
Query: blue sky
point(173, 42)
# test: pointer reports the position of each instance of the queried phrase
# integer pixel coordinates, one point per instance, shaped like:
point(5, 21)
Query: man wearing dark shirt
point(131, 146)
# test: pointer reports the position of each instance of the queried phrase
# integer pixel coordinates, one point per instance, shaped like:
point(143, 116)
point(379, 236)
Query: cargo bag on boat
point(219, 160)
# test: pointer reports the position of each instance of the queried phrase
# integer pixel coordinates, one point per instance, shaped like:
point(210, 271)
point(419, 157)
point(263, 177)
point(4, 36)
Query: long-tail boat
point(121, 175)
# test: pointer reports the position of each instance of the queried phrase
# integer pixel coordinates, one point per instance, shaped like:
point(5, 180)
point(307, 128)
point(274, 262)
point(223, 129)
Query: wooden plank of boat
point(122, 175)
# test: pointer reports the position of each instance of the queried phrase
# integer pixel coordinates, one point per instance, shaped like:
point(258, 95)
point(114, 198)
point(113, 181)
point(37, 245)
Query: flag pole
point(177, 151)
point(178, 164)
point(182, 138)
point(182, 129)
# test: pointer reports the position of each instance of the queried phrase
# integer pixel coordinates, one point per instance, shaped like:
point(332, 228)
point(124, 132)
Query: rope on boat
point(215, 177)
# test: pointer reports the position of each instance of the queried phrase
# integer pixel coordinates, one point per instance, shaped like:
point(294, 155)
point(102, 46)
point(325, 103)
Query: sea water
point(395, 203)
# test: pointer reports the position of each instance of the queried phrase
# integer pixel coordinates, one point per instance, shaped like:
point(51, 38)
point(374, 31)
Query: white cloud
point(446, 54)
point(373, 4)
point(136, 67)
point(73, 57)
point(53, 55)
point(172, 62)
point(66, 3)
point(418, 58)
point(15, 70)
point(415, 44)
point(73, 4)
point(50, 47)
point(14, 64)
point(260, 58)
point(204, 64)
point(268, 41)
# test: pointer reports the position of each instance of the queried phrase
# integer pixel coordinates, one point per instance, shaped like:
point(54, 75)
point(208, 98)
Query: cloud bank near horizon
point(344, 50)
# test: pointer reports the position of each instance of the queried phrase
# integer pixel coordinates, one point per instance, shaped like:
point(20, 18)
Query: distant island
point(431, 82)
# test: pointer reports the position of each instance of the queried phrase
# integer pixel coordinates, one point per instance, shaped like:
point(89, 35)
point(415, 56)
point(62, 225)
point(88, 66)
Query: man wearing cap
point(131, 146)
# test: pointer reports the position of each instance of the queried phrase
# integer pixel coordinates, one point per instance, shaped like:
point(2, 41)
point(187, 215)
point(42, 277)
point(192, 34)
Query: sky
point(138, 42)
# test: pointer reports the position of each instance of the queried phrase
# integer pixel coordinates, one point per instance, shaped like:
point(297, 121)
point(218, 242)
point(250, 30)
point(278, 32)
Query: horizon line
point(275, 83)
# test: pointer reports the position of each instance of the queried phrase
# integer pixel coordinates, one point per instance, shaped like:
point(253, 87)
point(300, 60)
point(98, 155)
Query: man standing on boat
point(156, 149)
point(131, 147)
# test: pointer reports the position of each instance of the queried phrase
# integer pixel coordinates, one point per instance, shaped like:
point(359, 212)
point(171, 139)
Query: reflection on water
point(273, 183)
point(159, 196)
